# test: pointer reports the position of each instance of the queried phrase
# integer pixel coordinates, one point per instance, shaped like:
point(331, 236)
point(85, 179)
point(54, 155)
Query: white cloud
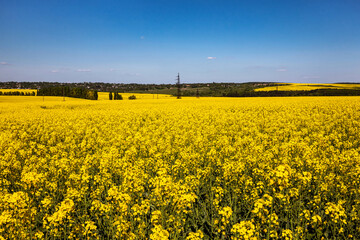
point(54, 71)
point(83, 70)
point(112, 69)
point(4, 63)
point(211, 58)
point(130, 74)
point(281, 70)
point(311, 77)
point(142, 37)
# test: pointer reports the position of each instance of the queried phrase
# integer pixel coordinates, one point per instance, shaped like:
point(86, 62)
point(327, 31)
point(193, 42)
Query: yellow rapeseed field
point(208, 168)
point(18, 90)
point(308, 86)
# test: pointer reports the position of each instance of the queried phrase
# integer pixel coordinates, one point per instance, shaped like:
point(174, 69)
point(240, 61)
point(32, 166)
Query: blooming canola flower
point(207, 168)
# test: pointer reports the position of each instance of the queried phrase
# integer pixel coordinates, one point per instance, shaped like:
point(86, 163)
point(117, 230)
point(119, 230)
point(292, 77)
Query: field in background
point(105, 96)
point(307, 87)
point(254, 89)
point(102, 96)
point(18, 90)
point(207, 168)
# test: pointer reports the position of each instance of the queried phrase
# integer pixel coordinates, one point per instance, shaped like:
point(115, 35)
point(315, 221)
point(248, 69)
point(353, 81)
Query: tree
point(117, 96)
point(110, 96)
point(132, 97)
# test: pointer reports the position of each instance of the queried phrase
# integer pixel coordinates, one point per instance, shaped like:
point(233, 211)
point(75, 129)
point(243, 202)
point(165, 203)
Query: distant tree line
point(18, 93)
point(219, 89)
point(98, 86)
point(67, 91)
point(205, 89)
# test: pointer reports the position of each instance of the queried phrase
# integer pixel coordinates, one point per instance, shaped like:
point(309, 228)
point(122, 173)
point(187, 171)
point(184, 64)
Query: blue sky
point(206, 41)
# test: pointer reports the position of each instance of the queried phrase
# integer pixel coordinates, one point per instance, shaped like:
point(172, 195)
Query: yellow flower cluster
point(158, 233)
point(287, 234)
point(244, 230)
point(207, 168)
point(198, 235)
point(336, 212)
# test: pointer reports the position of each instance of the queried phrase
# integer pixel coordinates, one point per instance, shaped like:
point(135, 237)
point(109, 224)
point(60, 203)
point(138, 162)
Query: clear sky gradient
point(136, 41)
